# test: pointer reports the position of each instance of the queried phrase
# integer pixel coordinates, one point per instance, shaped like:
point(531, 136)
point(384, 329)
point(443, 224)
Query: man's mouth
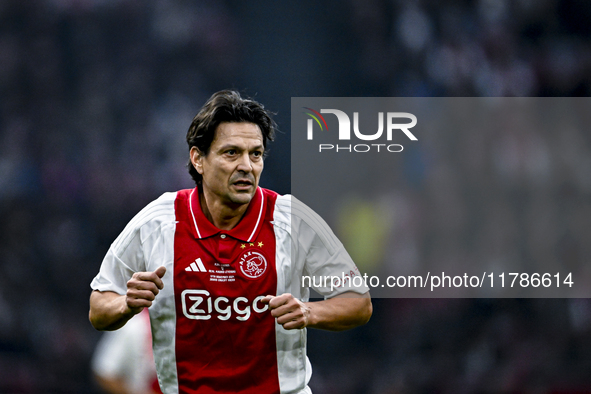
point(242, 183)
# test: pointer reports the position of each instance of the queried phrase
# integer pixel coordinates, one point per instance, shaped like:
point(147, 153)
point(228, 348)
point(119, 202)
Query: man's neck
point(223, 216)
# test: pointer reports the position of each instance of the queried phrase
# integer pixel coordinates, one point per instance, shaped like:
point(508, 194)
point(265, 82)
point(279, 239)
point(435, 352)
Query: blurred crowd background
point(96, 97)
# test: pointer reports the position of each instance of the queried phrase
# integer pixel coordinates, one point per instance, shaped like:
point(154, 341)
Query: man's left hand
point(290, 312)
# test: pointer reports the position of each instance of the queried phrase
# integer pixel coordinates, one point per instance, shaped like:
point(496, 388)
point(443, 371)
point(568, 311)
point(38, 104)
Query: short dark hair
point(226, 106)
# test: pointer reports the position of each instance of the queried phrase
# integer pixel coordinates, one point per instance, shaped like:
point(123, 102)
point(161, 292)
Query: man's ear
point(196, 159)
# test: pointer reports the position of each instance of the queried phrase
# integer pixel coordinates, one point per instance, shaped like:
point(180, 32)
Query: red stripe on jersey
point(225, 338)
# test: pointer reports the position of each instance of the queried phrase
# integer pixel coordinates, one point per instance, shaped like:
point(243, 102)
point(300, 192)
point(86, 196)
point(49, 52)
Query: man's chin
point(241, 198)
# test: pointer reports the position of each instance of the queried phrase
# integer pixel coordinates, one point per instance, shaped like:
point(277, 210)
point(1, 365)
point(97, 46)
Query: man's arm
point(110, 311)
point(342, 312)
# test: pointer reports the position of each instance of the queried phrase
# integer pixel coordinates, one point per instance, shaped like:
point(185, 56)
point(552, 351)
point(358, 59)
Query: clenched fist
point(290, 312)
point(142, 289)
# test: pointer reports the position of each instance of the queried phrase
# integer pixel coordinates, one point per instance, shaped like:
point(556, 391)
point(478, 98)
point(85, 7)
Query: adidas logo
point(196, 266)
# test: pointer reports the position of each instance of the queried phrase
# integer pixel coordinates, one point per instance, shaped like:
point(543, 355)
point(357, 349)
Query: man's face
point(233, 165)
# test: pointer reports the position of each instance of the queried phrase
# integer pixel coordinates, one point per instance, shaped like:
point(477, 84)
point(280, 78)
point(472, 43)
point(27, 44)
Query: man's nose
point(244, 163)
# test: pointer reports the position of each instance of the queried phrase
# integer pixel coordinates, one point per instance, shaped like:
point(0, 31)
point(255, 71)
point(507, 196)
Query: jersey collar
point(245, 230)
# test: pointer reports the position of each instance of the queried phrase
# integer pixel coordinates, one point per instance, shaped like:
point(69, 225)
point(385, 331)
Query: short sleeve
point(328, 268)
point(129, 252)
point(124, 257)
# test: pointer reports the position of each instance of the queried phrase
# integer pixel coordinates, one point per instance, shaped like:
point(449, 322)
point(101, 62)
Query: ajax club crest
point(253, 264)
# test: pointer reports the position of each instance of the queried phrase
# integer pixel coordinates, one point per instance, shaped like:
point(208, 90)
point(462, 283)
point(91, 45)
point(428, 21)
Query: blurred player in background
point(123, 362)
point(221, 267)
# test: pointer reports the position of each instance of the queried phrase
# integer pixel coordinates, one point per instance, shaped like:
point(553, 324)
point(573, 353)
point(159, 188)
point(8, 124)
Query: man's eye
point(231, 152)
point(257, 153)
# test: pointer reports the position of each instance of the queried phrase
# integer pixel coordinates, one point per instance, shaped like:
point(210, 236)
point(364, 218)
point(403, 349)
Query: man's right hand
point(110, 311)
point(142, 289)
